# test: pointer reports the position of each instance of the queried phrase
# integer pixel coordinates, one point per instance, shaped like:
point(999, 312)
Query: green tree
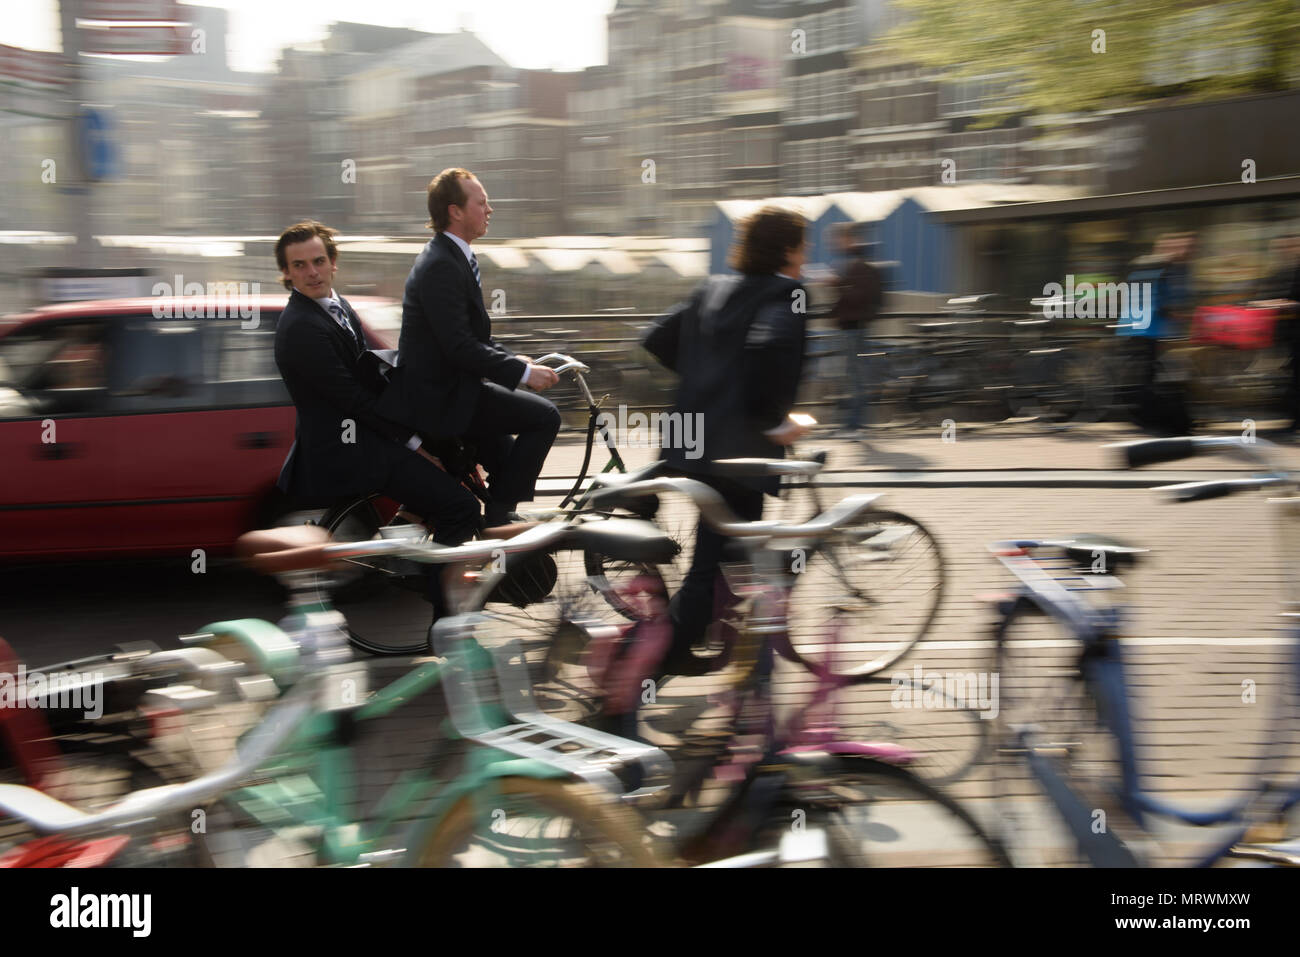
point(1145, 50)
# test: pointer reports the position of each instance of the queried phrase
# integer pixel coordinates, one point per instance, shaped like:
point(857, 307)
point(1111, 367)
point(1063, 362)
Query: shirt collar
point(325, 303)
point(464, 246)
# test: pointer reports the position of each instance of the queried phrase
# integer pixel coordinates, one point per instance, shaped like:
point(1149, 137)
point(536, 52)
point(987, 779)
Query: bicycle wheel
point(1069, 385)
point(561, 612)
point(382, 600)
point(883, 815)
point(881, 581)
point(1043, 701)
point(528, 822)
point(943, 719)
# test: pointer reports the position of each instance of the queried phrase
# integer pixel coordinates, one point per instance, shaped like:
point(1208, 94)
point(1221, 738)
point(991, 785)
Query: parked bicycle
point(877, 809)
point(1065, 724)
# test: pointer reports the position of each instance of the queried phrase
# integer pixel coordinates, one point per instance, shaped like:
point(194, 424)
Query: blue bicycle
point(1065, 729)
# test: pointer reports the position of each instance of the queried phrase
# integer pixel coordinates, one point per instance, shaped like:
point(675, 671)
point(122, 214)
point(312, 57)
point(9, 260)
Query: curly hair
point(765, 240)
point(301, 233)
point(446, 190)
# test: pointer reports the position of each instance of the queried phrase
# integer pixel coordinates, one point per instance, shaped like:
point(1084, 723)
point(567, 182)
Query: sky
point(531, 34)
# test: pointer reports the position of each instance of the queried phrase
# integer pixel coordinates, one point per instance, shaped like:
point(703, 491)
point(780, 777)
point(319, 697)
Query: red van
point(126, 434)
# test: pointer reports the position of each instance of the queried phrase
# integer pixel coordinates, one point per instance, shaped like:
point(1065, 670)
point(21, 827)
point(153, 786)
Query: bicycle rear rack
point(601, 759)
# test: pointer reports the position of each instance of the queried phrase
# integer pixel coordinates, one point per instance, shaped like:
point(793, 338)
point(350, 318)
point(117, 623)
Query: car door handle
point(56, 451)
point(256, 440)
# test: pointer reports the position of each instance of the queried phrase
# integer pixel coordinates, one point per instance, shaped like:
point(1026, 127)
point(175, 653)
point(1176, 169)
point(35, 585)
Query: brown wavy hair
point(301, 233)
point(446, 190)
point(765, 239)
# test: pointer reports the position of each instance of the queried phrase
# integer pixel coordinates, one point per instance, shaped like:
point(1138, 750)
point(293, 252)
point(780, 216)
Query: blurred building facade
point(700, 101)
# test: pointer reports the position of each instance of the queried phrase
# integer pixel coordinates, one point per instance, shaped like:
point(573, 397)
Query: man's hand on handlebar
point(541, 378)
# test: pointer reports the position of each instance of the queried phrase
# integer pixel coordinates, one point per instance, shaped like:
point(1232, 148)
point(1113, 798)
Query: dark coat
point(738, 346)
point(860, 296)
point(446, 348)
point(318, 363)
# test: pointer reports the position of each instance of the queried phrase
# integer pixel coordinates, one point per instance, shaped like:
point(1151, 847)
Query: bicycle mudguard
point(262, 645)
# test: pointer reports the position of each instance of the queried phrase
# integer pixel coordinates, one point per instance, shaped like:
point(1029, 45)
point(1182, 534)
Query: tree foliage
point(1145, 50)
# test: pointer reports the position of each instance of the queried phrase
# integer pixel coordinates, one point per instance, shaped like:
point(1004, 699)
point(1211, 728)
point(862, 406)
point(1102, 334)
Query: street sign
point(98, 151)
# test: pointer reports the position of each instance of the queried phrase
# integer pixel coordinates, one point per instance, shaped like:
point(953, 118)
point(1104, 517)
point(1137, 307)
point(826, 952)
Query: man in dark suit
point(342, 445)
point(454, 380)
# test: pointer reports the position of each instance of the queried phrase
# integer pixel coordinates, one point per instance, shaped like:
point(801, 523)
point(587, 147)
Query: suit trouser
point(512, 464)
point(446, 506)
point(691, 609)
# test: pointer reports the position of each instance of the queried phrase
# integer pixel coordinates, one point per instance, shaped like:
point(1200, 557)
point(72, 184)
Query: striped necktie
point(473, 265)
point(336, 310)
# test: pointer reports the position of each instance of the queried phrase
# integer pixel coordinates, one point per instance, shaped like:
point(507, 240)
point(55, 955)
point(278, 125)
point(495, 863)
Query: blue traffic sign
point(98, 151)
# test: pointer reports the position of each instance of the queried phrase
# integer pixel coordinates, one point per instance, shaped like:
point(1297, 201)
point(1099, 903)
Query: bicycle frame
point(1102, 668)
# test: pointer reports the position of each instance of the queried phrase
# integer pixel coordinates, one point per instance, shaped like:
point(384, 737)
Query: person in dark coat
point(454, 379)
point(343, 446)
point(861, 293)
point(738, 346)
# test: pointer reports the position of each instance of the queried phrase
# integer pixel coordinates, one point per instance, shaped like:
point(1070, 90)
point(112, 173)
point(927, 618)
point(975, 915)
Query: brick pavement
point(1204, 615)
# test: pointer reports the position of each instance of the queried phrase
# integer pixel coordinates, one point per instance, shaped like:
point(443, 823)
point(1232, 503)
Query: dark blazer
point(446, 346)
point(317, 361)
point(860, 296)
point(738, 345)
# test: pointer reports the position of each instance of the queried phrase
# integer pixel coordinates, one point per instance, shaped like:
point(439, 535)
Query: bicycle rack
point(592, 756)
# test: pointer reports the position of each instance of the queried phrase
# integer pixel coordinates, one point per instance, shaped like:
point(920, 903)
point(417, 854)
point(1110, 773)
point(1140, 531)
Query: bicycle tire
point(1050, 698)
point(884, 815)
point(947, 736)
point(882, 628)
point(386, 611)
point(606, 833)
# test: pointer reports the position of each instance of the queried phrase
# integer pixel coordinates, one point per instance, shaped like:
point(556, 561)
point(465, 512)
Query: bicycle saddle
point(1086, 549)
point(626, 540)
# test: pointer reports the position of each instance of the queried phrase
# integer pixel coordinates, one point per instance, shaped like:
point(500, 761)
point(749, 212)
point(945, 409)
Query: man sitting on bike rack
point(738, 346)
point(343, 447)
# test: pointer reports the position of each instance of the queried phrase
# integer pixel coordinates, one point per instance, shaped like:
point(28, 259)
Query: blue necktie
point(336, 310)
point(473, 265)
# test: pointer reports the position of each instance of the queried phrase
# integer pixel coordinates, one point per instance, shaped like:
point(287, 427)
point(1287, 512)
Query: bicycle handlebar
point(719, 516)
point(1152, 451)
point(49, 815)
point(540, 536)
point(567, 363)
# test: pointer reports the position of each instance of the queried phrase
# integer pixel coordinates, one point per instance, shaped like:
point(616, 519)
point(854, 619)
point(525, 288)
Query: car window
point(156, 365)
point(242, 363)
point(54, 368)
